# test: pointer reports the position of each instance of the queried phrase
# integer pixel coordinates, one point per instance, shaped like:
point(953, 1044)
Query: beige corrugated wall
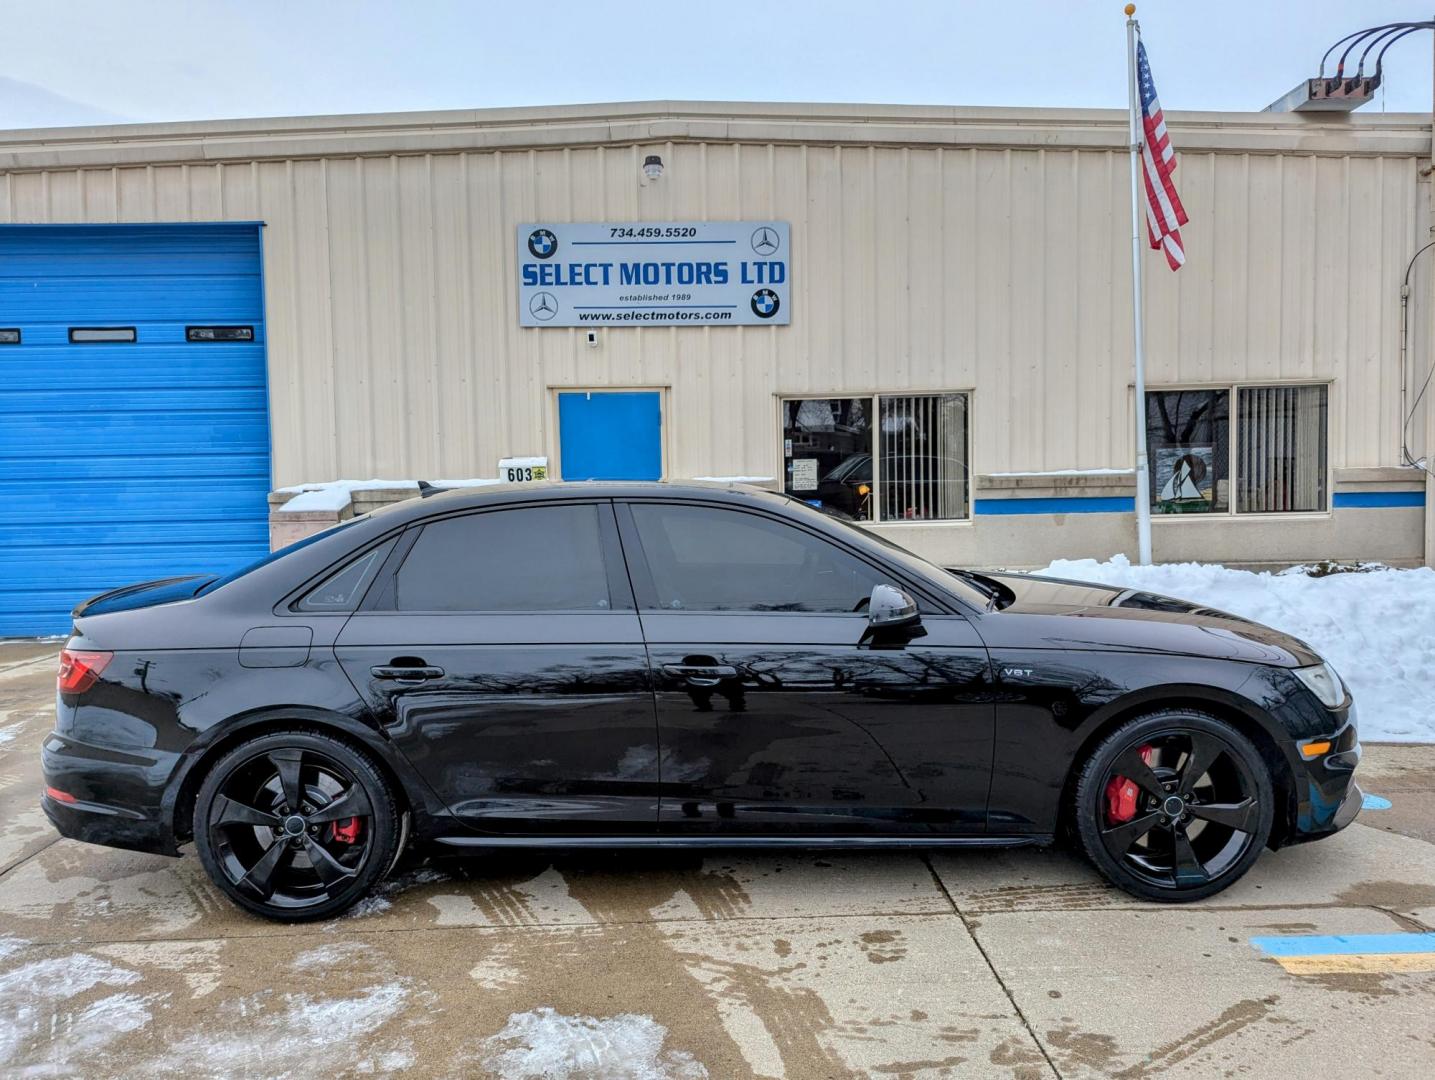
point(393, 339)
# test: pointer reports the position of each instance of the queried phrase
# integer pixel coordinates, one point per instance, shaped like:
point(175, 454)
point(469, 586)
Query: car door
point(773, 715)
point(503, 656)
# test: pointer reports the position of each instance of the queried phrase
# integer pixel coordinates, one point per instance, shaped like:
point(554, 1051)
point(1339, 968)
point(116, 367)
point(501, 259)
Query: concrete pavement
point(1015, 964)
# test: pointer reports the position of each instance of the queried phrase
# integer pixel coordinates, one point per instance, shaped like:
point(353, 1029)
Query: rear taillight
point(79, 669)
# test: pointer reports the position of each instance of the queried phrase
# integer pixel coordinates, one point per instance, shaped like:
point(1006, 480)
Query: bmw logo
point(542, 243)
point(765, 303)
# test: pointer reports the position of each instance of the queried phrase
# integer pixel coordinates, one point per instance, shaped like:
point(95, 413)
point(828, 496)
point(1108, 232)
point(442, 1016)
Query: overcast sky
point(82, 61)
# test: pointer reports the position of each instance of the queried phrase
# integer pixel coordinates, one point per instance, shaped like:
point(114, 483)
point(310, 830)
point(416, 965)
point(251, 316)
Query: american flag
point(1164, 212)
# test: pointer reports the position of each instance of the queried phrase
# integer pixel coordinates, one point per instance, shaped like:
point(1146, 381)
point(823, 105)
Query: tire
point(296, 864)
point(1177, 851)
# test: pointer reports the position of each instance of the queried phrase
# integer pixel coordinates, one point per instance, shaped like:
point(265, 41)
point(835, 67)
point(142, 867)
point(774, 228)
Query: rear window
point(273, 556)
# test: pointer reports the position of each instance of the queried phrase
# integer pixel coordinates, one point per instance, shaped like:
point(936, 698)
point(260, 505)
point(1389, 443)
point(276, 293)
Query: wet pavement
point(677, 966)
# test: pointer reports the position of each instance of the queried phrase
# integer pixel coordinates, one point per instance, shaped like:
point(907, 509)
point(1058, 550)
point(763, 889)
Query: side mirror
point(892, 617)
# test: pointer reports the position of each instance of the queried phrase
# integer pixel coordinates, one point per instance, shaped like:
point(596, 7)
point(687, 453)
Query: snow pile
point(1375, 625)
point(9, 733)
point(334, 495)
point(547, 1045)
point(733, 479)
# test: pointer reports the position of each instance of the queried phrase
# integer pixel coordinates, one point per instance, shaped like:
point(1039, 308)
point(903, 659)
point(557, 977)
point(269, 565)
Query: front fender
point(1050, 719)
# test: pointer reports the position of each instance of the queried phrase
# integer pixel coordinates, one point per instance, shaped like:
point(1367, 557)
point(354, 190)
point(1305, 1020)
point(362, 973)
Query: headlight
point(1324, 683)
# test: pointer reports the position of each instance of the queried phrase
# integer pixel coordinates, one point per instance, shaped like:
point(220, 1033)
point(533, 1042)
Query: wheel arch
point(225, 737)
point(1257, 725)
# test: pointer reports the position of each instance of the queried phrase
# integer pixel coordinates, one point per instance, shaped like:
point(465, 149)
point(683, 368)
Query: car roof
point(465, 498)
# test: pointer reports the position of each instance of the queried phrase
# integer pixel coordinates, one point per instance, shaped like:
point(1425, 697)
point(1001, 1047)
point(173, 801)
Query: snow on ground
point(381, 899)
point(28, 995)
point(9, 733)
point(274, 1035)
point(1375, 625)
point(547, 1045)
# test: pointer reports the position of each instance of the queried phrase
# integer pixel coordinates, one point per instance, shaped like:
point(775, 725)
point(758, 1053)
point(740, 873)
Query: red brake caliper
point(1121, 794)
point(346, 831)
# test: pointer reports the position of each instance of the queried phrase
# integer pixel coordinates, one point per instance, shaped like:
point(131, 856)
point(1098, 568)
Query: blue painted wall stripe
point(1344, 944)
point(1350, 499)
point(1078, 504)
point(1115, 504)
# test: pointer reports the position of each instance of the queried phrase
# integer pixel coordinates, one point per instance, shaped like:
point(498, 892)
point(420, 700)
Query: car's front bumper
point(1332, 798)
point(105, 796)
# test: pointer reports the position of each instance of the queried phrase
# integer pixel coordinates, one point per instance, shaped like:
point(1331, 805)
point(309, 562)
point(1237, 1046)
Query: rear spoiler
point(143, 586)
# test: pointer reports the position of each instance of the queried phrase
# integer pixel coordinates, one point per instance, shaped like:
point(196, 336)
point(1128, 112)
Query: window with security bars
point(1280, 449)
point(884, 457)
point(1274, 462)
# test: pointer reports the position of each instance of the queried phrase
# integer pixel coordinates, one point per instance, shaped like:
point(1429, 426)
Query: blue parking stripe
point(1344, 944)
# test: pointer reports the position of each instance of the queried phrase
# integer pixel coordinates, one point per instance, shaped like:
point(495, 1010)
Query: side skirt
point(678, 841)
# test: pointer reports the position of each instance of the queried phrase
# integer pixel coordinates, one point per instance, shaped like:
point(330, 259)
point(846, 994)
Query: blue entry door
point(610, 435)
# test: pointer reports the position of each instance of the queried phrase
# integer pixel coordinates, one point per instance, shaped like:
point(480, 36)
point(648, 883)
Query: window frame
point(380, 598)
point(876, 397)
point(645, 588)
point(1233, 388)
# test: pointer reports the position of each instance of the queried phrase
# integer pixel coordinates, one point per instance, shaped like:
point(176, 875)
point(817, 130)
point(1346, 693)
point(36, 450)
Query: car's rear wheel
point(1174, 806)
point(296, 825)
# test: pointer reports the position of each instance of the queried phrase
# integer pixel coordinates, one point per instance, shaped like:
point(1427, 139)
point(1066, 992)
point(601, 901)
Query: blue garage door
point(134, 428)
point(610, 435)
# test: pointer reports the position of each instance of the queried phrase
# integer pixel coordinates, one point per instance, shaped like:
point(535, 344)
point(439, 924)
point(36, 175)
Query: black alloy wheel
point(1174, 806)
point(296, 825)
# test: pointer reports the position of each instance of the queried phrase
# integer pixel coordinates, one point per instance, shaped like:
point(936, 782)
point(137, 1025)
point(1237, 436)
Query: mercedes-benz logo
point(765, 303)
point(765, 241)
point(542, 243)
point(543, 306)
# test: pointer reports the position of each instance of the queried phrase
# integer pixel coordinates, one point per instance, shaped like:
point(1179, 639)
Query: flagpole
point(1137, 134)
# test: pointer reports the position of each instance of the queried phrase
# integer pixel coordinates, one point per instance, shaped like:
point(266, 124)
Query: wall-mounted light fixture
point(652, 166)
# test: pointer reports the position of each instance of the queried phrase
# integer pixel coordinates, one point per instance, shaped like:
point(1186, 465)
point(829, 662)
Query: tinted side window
point(708, 559)
point(345, 587)
point(542, 558)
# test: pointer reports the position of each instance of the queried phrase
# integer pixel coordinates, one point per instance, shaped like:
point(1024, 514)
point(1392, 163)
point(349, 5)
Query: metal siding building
point(935, 250)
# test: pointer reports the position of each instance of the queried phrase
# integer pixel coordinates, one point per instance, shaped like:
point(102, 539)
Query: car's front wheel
point(1174, 806)
point(296, 825)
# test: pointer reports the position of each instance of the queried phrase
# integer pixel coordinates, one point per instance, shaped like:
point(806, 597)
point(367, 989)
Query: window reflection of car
point(910, 484)
point(845, 489)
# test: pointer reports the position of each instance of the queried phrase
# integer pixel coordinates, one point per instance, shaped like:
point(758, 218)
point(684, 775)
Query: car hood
point(1083, 614)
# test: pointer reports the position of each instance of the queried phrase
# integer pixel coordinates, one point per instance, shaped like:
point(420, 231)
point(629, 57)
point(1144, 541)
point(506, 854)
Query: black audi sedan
point(651, 665)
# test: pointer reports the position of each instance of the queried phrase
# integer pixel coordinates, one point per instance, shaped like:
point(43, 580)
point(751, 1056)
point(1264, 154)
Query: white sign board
point(654, 273)
point(804, 474)
point(517, 470)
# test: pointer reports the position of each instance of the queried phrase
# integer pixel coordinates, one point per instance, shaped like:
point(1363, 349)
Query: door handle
point(701, 674)
point(405, 673)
